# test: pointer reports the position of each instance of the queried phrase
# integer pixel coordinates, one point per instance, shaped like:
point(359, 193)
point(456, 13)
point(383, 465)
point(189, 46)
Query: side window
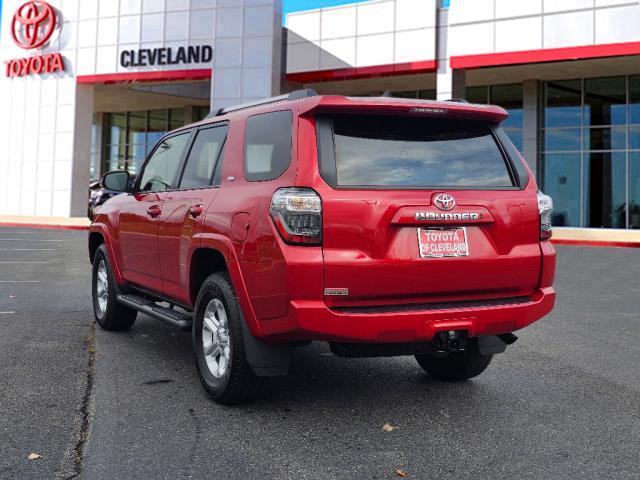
point(198, 172)
point(162, 167)
point(267, 145)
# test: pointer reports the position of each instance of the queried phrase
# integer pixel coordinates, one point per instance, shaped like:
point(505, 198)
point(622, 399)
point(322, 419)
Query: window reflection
point(564, 139)
point(563, 104)
point(609, 138)
point(605, 101)
point(590, 118)
point(392, 151)
point(562, 182)
point(130, 136)
point(634, 190)
point(605, 190)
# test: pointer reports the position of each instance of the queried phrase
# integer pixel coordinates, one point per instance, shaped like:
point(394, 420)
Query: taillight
point(297, 214)
point(545, 207)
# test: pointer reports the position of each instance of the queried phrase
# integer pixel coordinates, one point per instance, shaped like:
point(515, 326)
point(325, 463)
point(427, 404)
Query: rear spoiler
point(400, 106)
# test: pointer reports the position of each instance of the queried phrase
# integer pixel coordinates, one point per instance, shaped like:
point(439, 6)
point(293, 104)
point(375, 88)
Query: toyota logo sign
point(33, 24)
point(444, 201)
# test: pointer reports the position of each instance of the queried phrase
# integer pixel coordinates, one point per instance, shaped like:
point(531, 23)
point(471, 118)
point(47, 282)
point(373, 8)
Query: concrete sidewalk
point(66, 223)
point(596, 236)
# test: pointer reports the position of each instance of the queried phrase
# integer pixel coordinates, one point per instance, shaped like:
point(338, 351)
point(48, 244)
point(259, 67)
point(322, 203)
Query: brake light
point(545, 207)
point(297, 214)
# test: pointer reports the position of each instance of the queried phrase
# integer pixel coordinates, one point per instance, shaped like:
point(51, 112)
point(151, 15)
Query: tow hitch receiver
point(450, 341)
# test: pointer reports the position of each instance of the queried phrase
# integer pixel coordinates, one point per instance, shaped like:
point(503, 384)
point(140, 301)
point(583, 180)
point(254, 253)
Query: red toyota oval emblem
point(33, 24)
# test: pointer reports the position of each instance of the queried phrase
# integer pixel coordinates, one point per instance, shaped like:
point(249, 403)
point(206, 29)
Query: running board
point(175, 318)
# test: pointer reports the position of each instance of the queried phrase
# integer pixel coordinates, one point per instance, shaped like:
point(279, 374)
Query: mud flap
point(265, 359)
point(491, 344)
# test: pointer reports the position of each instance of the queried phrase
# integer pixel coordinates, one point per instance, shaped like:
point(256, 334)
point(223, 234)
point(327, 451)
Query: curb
point(44, 225)
point(595, 243)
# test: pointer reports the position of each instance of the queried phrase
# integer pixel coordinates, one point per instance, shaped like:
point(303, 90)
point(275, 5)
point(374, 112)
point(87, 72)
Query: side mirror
point(117, 181)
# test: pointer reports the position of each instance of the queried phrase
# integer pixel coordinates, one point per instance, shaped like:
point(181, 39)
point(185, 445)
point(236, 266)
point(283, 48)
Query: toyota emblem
point(444, 201)
point(33, 24)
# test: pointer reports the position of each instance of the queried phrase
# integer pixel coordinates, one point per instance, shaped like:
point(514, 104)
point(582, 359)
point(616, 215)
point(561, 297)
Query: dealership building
point(89, 86)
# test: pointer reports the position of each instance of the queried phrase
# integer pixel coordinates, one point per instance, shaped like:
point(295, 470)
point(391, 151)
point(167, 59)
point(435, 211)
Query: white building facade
point(567, 71)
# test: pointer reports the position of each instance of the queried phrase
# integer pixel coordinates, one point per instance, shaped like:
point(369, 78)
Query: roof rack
point(287, 97)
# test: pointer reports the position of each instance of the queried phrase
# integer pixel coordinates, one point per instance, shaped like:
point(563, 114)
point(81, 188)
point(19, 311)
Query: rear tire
point(457, 366)
point(218, 344)
point(109, 314)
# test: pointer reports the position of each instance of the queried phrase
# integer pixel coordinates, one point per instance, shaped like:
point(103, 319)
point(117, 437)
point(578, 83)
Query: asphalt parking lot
point(563, 402)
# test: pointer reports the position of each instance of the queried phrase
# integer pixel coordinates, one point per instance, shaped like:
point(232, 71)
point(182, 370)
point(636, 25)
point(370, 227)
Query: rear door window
point(203, 158)
point(412, 152)
point(267, 145)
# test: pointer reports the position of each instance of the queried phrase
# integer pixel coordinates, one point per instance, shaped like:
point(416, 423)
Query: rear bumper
point(313, 320)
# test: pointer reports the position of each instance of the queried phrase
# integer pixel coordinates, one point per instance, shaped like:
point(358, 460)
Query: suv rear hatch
point(423, 208)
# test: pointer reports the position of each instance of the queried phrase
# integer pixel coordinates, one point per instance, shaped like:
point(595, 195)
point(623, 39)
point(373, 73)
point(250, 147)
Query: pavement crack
point(81, 443)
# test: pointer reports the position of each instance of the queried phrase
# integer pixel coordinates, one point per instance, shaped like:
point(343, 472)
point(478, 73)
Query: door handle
point(154, 211)
point(195, 211)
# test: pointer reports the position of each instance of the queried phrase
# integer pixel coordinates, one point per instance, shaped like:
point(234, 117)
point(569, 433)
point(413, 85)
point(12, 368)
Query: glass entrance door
point(591, 151)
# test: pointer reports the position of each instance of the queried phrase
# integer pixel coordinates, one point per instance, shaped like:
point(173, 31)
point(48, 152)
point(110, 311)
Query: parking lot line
point(29, 240)
point(19, 281)
point(20, 263)
point(27, 249)
point(7, 313)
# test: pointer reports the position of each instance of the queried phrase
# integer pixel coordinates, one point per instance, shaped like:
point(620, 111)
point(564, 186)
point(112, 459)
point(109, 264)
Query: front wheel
point(109, 314)
point(456, 366)
point(218, 344)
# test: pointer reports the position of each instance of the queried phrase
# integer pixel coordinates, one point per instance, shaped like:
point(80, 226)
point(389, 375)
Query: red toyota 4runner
point(382, 226)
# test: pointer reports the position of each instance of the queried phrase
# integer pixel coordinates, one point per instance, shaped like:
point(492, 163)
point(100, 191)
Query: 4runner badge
point(336, 292)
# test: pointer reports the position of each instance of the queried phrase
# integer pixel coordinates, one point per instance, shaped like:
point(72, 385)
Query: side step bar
point(175, 318)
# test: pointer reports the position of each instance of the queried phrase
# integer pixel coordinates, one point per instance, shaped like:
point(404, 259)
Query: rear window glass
point(267, 145)
point(411, 152)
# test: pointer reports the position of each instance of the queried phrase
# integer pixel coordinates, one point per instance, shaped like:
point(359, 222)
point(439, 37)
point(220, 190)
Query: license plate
point(443, 242)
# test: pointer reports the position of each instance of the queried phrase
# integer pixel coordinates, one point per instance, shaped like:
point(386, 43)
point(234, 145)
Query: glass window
point(158, 126)
point(562, 182)
point(563, 104)
point(605, 138)
point(509, 97)
point(217, 174)
point(634, 138)
point(267, 145)
point(634, 99)
point(634, 189)
point(405, 152)
point(605, 190)
point(198, 171)
point(137, 156)
point(605, 101)
point(118, 127)
point(137, 128)
point(563, 139)
point(114, 158)
point(160, 172)
point(176, 118)
point(477, 94)
point(199, 113)
point(427, 94)
point(405, 94)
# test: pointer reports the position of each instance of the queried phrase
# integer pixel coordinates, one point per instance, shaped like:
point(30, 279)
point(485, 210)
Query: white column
point(248, 52)
point(81, 150)
point(530, 123)
point(449, 83)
